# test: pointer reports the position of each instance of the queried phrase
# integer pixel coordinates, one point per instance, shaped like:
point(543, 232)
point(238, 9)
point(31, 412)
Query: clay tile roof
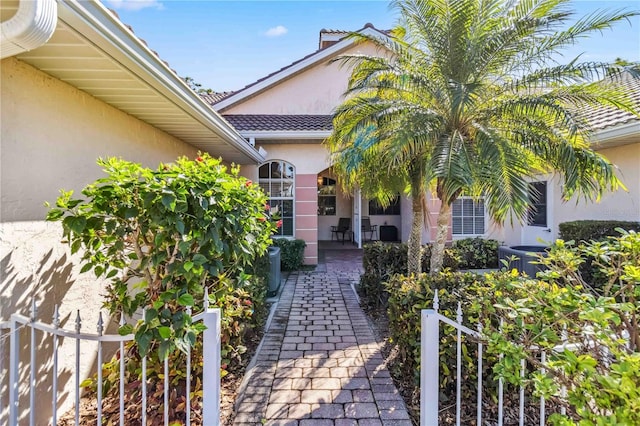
point(601, 118)
point(213, 97)
point(266, 122)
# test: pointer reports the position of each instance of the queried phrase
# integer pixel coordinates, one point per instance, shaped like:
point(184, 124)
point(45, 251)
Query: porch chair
point(367, 227)
point(343, 227)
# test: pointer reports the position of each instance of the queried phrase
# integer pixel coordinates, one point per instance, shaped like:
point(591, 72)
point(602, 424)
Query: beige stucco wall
point(51, 136)
point(618, 205)
point(317, 90)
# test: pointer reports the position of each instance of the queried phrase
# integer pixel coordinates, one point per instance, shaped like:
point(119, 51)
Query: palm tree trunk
point(414, 255)
point(437, 251)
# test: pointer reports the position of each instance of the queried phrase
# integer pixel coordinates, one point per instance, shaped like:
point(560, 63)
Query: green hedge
point(477, 295)
point(291, 253)
point(476, 253)
point(581, 231)
point(594, 230)
point(383, 260)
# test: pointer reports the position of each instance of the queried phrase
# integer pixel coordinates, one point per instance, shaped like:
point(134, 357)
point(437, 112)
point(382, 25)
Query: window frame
point(269, 180)
point(326, 183)
point(534, 203)
point(462, 217)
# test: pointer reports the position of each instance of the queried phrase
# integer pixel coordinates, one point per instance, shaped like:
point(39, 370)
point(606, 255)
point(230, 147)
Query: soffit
point(82, 57)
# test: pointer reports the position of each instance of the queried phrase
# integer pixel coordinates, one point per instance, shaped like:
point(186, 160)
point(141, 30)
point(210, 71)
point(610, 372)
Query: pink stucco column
point(434, 210)
point(307, 215)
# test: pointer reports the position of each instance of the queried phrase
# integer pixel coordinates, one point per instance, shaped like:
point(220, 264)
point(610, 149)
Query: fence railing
point(210, 366)
point(430, 374)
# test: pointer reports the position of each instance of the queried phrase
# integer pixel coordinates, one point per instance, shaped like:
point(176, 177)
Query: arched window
point(326, 196)
point(277, 180)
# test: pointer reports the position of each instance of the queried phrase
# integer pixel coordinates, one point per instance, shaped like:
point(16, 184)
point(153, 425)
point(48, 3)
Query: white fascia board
point(312, 60)
point(98, 25)
point(616, 132)
point(270, 134)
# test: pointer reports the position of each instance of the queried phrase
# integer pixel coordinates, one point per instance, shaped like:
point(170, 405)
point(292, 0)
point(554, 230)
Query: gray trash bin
point(274, 271)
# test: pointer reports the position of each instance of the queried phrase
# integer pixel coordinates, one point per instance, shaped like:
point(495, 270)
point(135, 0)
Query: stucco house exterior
point(288, 114)
point(617, 137)
point(77, 84)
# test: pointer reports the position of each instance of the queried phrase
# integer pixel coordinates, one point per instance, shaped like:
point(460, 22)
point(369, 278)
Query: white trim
point(282, 134)
point(269, 180)
point(107, 32)
point(616, 132)
point(32, 26)
point(485, 216)
point(319, 56)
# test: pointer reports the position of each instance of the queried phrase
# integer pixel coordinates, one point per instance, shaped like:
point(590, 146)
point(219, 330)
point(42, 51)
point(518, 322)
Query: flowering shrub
point(161, 237)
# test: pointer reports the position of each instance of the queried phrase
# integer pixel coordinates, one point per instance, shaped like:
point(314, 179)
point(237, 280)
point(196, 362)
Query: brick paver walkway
point(319, 363)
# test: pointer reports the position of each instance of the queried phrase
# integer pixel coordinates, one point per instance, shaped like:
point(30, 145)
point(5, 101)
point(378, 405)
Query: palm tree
point(468, 97)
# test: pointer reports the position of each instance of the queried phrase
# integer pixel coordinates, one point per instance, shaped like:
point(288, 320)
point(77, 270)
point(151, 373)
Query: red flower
point(279, 223)
point(248, 183)
point(247, 302)
point(199, 159)
point(262, 218)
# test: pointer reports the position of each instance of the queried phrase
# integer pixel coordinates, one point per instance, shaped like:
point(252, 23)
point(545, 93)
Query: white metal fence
point(430, 371)
point(17, 382)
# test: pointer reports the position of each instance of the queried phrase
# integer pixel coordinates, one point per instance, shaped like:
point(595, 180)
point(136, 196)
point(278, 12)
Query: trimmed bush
point(291, 253)
point(476, 253)
point(521, 318)
point(383, 260)
point(581, 231)
point(594, 230)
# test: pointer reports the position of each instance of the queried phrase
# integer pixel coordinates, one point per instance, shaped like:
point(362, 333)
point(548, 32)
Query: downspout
point(31, 27)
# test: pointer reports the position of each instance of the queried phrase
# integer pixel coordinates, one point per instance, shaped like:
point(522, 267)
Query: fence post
point(14, 374)
point(429, 367)
point(211, 368)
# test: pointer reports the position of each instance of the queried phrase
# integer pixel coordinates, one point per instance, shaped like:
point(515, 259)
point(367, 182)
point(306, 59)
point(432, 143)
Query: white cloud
point(135, 4)
point(276, 31)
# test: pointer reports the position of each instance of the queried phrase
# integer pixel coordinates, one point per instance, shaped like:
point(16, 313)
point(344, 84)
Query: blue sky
point(225, 45)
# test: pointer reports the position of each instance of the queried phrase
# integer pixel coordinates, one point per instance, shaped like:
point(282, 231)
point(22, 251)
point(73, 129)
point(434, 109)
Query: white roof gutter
point(617, 132)
point(284, 134)
point(31, 27)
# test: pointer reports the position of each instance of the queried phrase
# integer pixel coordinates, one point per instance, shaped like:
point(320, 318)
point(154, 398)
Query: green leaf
point(185, 299)
point(188, 266)
point(125, 329)
point(199, 259)
point(144, 341)
point(54, 214)
point(164, 349)
point(86, 267)
point(150, 315)
point(75, 223)
point(165, 332)
point(131, 212)
point(169, 201)
point(180, 227)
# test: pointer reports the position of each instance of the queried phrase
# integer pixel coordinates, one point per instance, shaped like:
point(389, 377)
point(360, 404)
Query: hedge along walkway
point(319, 363)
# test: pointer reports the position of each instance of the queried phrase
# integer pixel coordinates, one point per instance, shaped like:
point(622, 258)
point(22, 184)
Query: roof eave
point(614, 135)
point(109, 33)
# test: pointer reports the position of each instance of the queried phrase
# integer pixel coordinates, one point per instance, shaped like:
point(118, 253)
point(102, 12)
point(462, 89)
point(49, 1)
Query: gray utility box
point(274, 271)
point(522, 258)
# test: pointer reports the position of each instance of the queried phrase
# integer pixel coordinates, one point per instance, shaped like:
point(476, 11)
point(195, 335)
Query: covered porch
point(366, 219)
